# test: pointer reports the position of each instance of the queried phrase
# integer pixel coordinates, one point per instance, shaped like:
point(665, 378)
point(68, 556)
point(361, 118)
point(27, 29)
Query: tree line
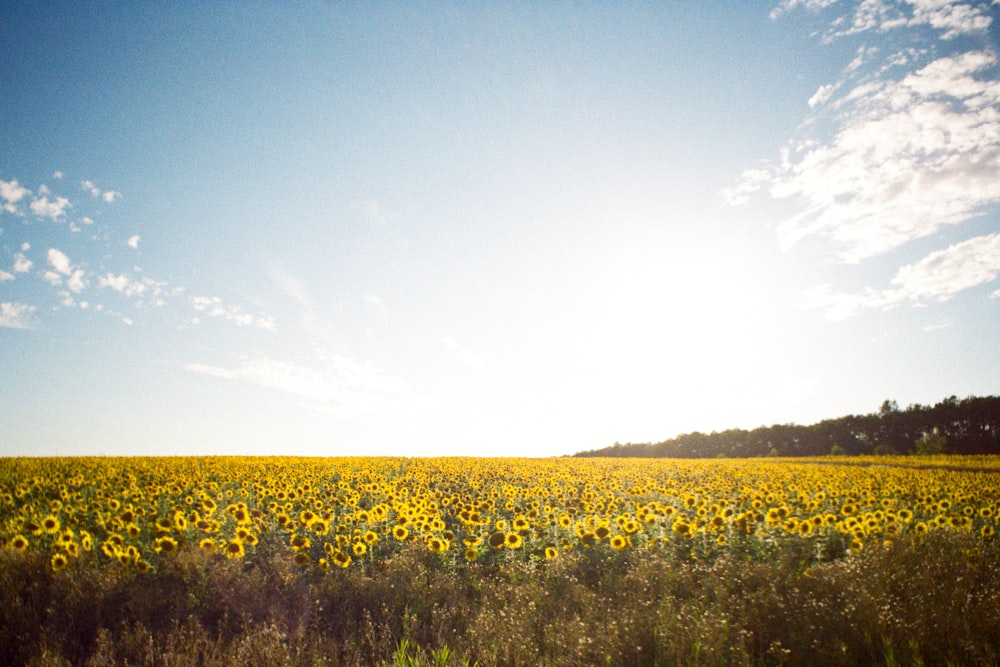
point(967, 426)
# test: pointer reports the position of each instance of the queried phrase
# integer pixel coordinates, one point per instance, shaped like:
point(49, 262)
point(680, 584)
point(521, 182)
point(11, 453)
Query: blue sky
point(490, 228)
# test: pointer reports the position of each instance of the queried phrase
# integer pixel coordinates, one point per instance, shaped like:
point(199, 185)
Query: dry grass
point(933, 602)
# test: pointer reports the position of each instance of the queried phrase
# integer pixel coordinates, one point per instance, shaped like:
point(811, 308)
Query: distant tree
point(885, 450)
point(931, 443)
point(837, 450)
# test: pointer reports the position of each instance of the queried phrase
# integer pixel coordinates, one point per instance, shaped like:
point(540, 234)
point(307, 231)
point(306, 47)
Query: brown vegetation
point(929, 601)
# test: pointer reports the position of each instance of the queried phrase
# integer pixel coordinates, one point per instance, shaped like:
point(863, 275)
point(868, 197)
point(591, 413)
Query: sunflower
point(513, 540)
point(233, 549)
point(341, 559)
point(497, 540)
point(471, 554)
point(682, 527)
point(58, 562)
point(722, 540)
point(19, 543)
point(299, 542)
point(359, 548)
point(207, 544)
point(50, 524)
point(400, 532)
point(301, 558)
point(619, 542)
point(551, 553)
point(165, 545)
point(437, 545)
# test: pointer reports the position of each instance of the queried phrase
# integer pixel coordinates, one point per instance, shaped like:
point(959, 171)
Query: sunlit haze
point(498, 229)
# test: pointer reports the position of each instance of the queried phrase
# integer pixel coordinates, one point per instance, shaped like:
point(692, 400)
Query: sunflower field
point(520, 540)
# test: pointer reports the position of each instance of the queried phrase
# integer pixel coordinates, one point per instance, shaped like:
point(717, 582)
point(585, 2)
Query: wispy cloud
point(107, 196)
point(347, 387)
point(910, 157)
point(213, 306)
point(903, 144)
point(463, 354)
point(952, 18)
point(133, 241)
point(937, 277)
point(16, 315)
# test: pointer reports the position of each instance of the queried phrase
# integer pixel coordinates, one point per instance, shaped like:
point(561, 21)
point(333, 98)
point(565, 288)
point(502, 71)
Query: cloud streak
point(904, 144)
point(348, 388)
point(937, 277)
point(910, 157)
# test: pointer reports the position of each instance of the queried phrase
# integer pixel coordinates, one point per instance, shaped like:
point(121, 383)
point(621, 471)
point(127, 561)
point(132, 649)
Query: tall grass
point(936, 601)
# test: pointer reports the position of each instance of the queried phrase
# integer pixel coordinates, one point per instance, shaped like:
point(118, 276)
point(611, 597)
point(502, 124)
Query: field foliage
point(160, 561)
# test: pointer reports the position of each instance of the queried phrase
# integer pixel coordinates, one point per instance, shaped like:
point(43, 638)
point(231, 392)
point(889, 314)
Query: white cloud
point(465, 355)
point(16, 315)
point(937, 277)
point(57, 175)
point(944, 273)
point(214, 307)
point(12, 192)
point(337, 381)
point(909, 157)
point(122, 284)
point(133, 241)
point(75, 282)
point(952, 18)
point(43, 208)
point(59, 261)
point(21, 263)
point(822, 94)
point(108, 196)
point(5, 276)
